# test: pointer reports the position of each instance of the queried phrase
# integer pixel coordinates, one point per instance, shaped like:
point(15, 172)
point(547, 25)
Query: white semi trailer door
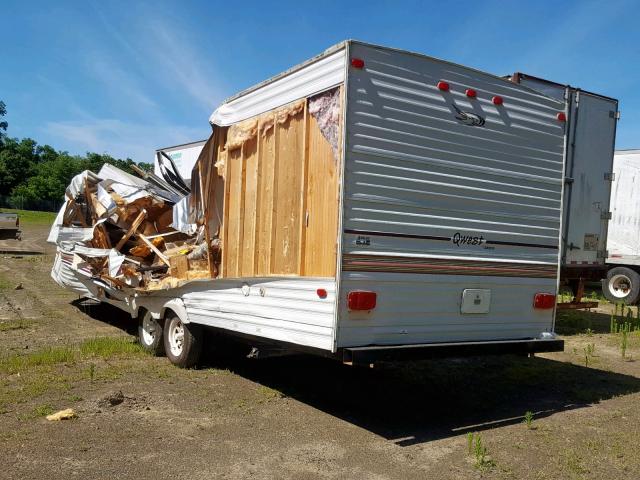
point(592, 130)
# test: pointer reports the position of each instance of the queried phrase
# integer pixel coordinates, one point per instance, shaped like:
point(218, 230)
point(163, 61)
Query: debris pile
point(117, 231)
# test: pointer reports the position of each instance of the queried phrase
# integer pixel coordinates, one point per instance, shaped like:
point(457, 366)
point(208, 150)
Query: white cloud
point(118, 138)
point(181, 65)
point(120, 83)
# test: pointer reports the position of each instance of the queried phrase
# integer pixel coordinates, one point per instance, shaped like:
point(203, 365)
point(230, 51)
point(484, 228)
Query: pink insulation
point(325, 108)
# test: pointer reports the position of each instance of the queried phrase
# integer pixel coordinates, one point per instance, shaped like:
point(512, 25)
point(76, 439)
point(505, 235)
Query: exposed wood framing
point(280, 211)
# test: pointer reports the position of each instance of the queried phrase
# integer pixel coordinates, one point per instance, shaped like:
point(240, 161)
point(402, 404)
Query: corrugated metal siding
point(281, 309)
point(411, 167)
point(416, 178)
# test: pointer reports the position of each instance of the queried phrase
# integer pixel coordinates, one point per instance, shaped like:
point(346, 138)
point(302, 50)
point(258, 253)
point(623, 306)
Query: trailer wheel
point(622, 285)
point(150, 334)
point(182, 342)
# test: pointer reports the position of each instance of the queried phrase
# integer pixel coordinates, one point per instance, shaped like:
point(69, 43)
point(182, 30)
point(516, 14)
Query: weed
point(528, 419)
point(92, 372)
point(624, 341)
point(589, 351)
point(479, 451)
point(589, 332)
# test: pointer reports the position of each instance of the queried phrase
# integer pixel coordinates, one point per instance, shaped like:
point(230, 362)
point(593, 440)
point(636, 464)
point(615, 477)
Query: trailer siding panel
point(420, 185)
point(281, 309)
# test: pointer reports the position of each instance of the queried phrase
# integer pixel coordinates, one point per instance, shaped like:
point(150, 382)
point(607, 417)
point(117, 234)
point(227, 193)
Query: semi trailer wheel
point(182, 342)
point(150, 334)
point(622, 285)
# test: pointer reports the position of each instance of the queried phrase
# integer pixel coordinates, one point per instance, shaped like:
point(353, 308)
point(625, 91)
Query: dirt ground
point(298, 417)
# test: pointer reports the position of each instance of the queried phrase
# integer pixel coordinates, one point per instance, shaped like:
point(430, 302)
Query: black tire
point(184, 354)
point(150, 334)
point(622, 285)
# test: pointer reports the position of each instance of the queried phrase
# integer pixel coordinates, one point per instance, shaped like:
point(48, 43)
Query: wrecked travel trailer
point(369, 203)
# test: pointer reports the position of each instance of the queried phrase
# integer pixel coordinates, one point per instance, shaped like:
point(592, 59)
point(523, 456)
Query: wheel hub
point(176, 337)
point(620, 286)
point(148, 330)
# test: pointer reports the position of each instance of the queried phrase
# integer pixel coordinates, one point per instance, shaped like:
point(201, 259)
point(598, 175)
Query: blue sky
point(128, 77)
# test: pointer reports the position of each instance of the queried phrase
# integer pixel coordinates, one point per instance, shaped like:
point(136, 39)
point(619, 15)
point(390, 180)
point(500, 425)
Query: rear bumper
point(372, 354)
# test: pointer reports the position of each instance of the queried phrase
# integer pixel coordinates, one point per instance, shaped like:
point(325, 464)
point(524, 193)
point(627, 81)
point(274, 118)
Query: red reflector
point(357, 63)
point(561, 117)
point(497, 100)
point(322, 293)
point(360, 300)
point(544, 300)
point(470, 92)
point(444, 86)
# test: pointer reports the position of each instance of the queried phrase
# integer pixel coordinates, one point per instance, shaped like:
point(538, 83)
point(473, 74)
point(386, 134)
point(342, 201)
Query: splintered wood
point(263, 202)
point(129, 246)
point(280, 196)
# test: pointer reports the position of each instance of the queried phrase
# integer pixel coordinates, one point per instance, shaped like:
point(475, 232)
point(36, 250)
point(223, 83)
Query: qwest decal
point(460, 240)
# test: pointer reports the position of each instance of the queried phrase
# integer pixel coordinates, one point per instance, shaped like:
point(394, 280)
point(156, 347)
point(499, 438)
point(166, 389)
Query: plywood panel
point(322, 205)
point(247, 254)
point(266, 165)
point(281, 198)
point(234, 212)
point(287, 218)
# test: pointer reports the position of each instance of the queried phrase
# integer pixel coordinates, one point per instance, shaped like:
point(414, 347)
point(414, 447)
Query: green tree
point(3, 124)
point(18, 161)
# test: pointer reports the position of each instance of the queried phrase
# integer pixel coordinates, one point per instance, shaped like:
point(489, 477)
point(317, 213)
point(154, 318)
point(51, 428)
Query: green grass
point(45, 357)
point(103, 347)
point(107, 347)
point(31, 217)
point(44, 410)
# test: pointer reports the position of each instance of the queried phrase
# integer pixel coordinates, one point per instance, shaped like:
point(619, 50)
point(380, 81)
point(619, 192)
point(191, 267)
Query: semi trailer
point(368, 203)
point(621, 283)
point(589, 176)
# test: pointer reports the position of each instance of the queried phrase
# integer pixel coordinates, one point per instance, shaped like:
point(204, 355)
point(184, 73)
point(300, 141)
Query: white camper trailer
point(368, 203)
point(622, 282)
point(591, 132)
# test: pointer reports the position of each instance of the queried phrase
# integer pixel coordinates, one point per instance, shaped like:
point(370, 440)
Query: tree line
point(34, 172)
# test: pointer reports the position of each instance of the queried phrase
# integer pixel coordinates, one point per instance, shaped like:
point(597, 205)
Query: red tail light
point(357, 63)
point(544, 300)
point(561, 117)
point(322, 293)
point(497, 100)
point(444, 86)
point(471, 93)
point(361, 300)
